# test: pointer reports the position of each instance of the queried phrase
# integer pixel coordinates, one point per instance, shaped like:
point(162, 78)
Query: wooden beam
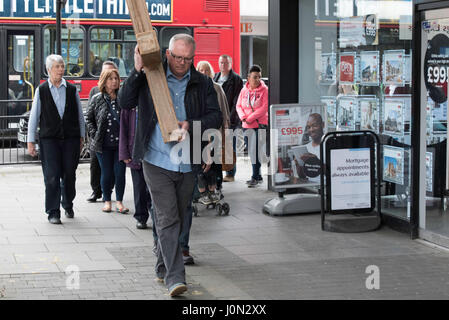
point(154, 71)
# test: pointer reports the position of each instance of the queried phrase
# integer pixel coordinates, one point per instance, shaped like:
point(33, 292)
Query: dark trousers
point(95, 174)
point(111, 168)
point(171, 192)
point(59, 163)
point(231, 173)
point(253, 150)
point(142, 197)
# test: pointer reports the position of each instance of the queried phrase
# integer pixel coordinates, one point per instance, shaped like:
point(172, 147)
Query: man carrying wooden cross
point(171, 184)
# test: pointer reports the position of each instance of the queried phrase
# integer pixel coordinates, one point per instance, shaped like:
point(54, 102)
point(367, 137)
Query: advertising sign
point(328, 67)
point(159, 10)
point(393, 116)
point(394, 67)
point(393, 165)
point(369, 68)
point(346, 113)
point(295, 149)
point(369, 114)
point(347, 68)
point(331, 110)
point(350, 172)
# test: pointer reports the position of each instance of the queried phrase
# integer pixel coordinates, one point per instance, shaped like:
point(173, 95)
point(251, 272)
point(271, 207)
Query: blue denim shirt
point(158, 152)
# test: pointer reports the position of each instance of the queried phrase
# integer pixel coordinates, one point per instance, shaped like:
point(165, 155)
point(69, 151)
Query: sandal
point(107, 208)
point(122, 210)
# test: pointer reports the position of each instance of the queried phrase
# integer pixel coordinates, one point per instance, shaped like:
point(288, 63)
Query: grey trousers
point(171, 192)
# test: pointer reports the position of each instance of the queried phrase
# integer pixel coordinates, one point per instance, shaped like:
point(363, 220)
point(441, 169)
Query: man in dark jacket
point(171, 184)
point(232, 84)
point(57, 111)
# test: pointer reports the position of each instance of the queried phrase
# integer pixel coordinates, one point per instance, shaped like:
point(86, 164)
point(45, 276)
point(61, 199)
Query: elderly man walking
point(57, 110)
point(171, 184)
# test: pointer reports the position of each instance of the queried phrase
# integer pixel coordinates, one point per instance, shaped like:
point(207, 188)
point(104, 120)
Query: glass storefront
point(434, 79)
point(355, 57)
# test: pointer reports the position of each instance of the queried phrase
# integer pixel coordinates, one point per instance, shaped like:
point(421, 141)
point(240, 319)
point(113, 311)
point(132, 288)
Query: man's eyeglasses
point(179, 59)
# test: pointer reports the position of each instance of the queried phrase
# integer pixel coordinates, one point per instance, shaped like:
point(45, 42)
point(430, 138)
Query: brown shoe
point(228, 179)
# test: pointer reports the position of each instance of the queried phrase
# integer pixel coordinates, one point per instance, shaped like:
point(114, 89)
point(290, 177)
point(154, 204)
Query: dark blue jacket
point(200, 101)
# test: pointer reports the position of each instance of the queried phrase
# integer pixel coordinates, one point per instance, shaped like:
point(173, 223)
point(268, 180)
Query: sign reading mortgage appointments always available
point(159, 10)
point(350, 172)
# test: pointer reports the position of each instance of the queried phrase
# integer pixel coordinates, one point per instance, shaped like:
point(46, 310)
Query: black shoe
point(252, 183)
point(187, 258)
point(54, 220)
point(141, 225)
point(69, 213)
point(93, 197)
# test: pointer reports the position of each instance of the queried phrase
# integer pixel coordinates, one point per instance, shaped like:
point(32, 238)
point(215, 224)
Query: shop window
point(355, 57)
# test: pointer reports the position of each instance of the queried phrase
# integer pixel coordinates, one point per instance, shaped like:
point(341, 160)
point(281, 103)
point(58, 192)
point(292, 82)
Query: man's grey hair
point(51, 59)
point(187, 38)
point(225, 56)
point(110, 63)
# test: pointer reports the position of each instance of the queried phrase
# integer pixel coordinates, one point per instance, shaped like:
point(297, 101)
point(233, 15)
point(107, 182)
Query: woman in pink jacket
point(252, 108)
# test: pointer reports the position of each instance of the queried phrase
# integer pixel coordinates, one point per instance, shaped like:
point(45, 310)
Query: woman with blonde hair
point(103, 123)
point(212, 175)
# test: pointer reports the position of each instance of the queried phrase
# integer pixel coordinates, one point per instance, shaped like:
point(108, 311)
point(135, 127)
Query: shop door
point(434, 75)
point(18, 79)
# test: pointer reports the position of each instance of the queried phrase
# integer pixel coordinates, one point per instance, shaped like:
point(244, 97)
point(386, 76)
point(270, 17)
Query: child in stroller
point(209, 186)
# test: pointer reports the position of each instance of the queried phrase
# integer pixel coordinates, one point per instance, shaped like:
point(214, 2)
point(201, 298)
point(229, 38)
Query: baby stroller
point(210, 199)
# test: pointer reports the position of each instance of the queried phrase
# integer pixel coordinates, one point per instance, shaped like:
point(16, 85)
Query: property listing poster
point(369, 114)
point(331, 109)
point(393, 165)
point(295, 148)
point(347, 68)
point(393, 116)
point(369, 68)
point(394, 67)
point(328, 68)
point(429, 172)
point(346, 113)
point(350, 171)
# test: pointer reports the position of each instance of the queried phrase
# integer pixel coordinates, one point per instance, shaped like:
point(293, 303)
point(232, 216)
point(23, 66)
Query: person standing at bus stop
point(232, 84)
point(95, 170)
point(57, 111)
point(171, 183)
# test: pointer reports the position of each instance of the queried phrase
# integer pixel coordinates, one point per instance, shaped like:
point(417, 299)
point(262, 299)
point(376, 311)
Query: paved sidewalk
point(246, 255)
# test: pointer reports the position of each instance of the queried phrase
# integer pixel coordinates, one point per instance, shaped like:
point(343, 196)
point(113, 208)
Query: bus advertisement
point(94, 31)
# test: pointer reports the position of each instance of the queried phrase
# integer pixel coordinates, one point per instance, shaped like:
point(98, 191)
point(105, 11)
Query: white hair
point(52, 59)
point(187, 38)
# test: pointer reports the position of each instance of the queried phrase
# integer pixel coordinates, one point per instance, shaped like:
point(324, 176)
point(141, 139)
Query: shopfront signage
point(436, 67)
point(295, 148)
point(350, 172)
point(159, 10)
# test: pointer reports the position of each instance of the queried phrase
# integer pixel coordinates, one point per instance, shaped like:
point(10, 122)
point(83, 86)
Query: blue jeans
point(253, 150)
point(111, 168)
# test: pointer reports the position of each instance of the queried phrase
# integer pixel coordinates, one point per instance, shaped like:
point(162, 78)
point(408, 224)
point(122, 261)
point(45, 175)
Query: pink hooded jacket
point(259, 100)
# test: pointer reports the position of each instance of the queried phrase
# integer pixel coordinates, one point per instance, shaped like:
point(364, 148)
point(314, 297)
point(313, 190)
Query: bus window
point(115, 44)
point(167, 33)
point(72, 41)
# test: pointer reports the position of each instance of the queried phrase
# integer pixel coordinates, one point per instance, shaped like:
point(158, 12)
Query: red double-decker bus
point(97, 30)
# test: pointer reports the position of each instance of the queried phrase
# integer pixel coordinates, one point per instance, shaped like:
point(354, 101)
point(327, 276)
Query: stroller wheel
point(225, 207)
point(219, 209)
point(195, 211)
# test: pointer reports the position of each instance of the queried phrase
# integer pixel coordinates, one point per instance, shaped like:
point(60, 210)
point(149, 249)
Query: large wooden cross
point(154, 71)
